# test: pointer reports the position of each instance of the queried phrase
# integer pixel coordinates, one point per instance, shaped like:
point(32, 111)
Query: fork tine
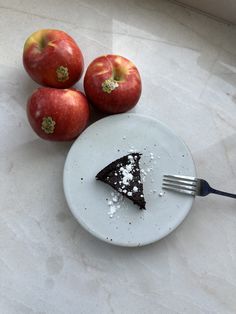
point(179, 190)
point(179, 177)
point(179, 186)
point(179, 182)
point(182, 184)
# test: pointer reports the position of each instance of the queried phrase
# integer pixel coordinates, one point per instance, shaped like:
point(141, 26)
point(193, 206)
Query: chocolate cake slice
point(123, 175)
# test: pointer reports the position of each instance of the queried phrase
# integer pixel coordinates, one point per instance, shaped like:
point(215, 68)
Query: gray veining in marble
point(48, 263)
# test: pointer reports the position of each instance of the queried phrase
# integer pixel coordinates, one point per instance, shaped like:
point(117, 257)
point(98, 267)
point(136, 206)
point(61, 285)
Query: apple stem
point(48, 125)
point(42, 43)
point(109, 85)
point(62, 73)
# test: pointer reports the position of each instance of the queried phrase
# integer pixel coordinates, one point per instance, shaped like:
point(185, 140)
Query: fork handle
point(222, 193)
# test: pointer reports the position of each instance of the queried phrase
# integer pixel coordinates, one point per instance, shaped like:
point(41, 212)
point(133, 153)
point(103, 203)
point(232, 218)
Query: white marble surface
point(48, 263)
point(220, 9)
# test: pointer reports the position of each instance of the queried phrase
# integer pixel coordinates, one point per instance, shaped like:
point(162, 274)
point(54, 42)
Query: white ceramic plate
point(111, 138)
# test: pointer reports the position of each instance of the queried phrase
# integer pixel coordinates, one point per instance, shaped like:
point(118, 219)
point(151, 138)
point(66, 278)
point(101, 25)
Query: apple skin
point(52, 58)
point(57, 114)
point(112, 84)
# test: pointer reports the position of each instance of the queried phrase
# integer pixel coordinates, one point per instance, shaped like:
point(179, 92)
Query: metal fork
point(191, 186)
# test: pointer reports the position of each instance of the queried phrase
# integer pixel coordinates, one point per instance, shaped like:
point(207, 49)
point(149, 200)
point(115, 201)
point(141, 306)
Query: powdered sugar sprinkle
point(114, 203)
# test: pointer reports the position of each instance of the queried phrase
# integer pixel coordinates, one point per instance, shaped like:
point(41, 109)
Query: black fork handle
point(206, 189)
point(211, 190)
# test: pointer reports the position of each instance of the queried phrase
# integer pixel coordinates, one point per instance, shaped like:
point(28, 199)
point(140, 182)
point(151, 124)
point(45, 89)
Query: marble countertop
point(48, 263)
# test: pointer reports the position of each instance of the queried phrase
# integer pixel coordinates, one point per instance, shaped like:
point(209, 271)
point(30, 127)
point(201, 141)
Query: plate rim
point(97, 235)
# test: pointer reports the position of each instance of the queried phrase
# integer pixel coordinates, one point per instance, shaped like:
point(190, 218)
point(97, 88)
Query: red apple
point(52, 58)
point(58, 114)
point(112, 84)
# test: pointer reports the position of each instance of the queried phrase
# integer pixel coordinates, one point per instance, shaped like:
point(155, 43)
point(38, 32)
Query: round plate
point(90, 200)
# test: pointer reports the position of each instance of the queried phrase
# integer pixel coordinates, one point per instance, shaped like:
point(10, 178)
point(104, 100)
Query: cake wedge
point(124, 176)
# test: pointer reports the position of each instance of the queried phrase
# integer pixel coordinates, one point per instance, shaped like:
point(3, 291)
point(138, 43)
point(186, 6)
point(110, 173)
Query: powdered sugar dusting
point(132, 150)
point(126, 171)
point(115, 199)
point(114, 203)
point(126, 174)
point(112, 211)
point(135, 189)
point(145, 171)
